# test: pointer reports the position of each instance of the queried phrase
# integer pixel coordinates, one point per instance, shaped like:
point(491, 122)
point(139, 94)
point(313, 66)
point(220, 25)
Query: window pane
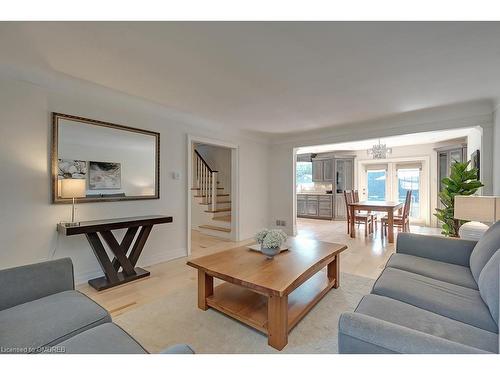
point(304, 175)
point(304, 172)
point(376, 185)
point(409, 179)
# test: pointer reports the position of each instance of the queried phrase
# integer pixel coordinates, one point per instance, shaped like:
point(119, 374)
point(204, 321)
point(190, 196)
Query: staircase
point(210, 202)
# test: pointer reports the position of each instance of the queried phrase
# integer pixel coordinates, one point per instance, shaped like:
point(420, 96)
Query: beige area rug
point(177, 319)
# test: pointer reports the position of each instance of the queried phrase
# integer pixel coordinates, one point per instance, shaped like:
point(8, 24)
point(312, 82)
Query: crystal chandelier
point(379, 151)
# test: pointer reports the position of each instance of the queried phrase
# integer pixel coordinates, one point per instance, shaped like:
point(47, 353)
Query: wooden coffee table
point(271, 296)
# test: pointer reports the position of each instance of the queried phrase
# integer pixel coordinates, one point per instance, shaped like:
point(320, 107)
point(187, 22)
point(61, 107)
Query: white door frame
point(235, 195)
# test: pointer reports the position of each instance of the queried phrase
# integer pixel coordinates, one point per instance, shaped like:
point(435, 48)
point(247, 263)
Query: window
point(376, 180)
point(409, 179)
point(304, 175)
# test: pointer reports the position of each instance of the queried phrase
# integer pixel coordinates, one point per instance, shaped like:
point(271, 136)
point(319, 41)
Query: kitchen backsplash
point(315, 187)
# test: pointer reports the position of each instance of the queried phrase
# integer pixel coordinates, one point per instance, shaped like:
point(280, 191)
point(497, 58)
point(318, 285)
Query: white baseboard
point(145, 261)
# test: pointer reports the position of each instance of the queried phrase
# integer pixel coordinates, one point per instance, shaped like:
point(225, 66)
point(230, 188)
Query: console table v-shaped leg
point(122, 268)
point(112, 276)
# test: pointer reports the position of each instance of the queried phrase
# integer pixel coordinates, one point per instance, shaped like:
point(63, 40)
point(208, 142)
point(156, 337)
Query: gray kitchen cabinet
point(317, 170)
point(312, 205)
point(325, 206)
point(322, 170)
point(301, 205)
point(315, 206)
point(328, 170)
point(340, 209)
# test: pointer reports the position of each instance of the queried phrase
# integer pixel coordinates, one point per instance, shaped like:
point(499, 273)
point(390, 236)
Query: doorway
point(212, 194)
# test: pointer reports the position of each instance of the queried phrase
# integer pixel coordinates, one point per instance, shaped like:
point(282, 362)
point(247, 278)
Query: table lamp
point(478, 209)
point(73, 188)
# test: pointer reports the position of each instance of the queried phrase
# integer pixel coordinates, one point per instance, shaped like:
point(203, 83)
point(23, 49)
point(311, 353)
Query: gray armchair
point(40, 311)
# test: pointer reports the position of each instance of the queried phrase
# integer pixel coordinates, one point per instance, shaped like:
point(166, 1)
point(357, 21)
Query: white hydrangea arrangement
point(271, 239)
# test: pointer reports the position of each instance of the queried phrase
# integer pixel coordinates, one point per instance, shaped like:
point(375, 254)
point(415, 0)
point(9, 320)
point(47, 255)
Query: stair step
point(218, 202)
point(223, 218)
point(219, 210)
point(218, 195)
point(213, 227)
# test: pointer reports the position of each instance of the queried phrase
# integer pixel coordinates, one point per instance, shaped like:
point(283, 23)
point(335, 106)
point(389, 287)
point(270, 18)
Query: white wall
point(282, 158)
point(28, 220)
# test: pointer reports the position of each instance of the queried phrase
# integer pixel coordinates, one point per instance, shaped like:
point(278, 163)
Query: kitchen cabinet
point(328, 170)
point(339, 171)
point(322, 170)
point(340, 208)
point(446, 157)
point(317, 170)
point(344, 180)
point(315, 206)
point(312, 205)
point(301, 205)
point(344, 175)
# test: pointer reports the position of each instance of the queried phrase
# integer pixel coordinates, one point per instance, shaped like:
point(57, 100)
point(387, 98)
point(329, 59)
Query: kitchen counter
point(313, 193)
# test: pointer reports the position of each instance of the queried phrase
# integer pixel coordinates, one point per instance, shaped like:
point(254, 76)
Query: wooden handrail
point(204, 162)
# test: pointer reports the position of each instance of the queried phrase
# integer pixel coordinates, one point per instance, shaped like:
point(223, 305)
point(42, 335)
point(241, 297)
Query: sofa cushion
point(489, 284)
point(409, 316)
point(49, 320)
point(450, 300)
point(106, 338)
point(484, 249)
point(448, 272)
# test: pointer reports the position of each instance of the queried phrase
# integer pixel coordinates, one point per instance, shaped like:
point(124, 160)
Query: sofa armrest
point(34, 281)
point(388, 337)
point(443, 249)
point(178, 349)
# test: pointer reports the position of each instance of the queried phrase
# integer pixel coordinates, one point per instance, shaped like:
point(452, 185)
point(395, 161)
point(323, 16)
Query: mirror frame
point(54, 158)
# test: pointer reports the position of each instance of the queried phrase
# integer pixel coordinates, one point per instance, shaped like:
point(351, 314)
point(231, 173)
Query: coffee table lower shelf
point(251, 308)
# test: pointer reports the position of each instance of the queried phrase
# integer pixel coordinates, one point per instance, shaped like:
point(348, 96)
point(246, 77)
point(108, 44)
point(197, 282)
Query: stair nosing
point(214, 227)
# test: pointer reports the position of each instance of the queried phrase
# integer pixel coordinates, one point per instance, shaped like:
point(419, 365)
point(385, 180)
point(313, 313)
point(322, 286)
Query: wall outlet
point(280, 223)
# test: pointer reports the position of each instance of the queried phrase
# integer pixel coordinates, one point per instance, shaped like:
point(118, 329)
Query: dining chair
point(400, 221)
point(355, 196)
point(359, 218)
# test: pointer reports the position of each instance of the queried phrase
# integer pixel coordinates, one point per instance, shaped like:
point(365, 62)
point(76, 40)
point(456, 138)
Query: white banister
point(214, 191)
point(206, 182)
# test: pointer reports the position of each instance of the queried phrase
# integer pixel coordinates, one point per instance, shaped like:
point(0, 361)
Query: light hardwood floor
point(365, 256)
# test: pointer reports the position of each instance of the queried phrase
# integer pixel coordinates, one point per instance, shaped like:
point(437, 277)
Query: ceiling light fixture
point(379, 151)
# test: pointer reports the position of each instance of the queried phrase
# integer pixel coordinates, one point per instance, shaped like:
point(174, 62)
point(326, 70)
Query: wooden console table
point(111, 268)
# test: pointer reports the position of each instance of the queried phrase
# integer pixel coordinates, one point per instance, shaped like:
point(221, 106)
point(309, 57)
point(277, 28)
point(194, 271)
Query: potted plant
point(270, 241)
point(462, 181)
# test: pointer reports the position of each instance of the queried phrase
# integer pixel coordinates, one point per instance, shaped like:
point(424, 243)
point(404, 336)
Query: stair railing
point(207, 181)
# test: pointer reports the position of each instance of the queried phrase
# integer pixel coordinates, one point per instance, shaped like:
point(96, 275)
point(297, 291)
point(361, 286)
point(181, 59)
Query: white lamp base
point(473, 230)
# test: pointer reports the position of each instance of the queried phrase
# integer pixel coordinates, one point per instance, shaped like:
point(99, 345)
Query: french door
point(391, 181)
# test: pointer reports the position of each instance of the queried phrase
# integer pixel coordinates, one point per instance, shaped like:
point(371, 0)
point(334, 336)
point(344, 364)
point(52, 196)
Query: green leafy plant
point(462, 181)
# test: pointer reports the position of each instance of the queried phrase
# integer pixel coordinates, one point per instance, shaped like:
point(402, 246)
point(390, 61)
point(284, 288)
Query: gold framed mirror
point(102, 162)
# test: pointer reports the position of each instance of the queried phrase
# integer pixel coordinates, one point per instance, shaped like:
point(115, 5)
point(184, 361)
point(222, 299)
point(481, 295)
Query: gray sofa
point(40, 311)
point(436, 295)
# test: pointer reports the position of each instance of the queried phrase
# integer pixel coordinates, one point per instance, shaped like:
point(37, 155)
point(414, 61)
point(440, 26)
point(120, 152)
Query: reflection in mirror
point(116, 162)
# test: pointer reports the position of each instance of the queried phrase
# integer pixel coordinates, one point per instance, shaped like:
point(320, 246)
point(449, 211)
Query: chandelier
point(379, 151)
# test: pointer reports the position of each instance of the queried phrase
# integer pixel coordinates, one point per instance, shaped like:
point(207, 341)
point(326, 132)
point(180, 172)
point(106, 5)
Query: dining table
point(388, 207)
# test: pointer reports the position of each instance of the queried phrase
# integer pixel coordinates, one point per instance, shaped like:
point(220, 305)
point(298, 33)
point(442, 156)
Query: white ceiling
point(396, 141)
point(273, 77)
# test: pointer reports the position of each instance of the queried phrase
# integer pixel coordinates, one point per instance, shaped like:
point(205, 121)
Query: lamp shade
point(73, 188)
point(477, 208)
